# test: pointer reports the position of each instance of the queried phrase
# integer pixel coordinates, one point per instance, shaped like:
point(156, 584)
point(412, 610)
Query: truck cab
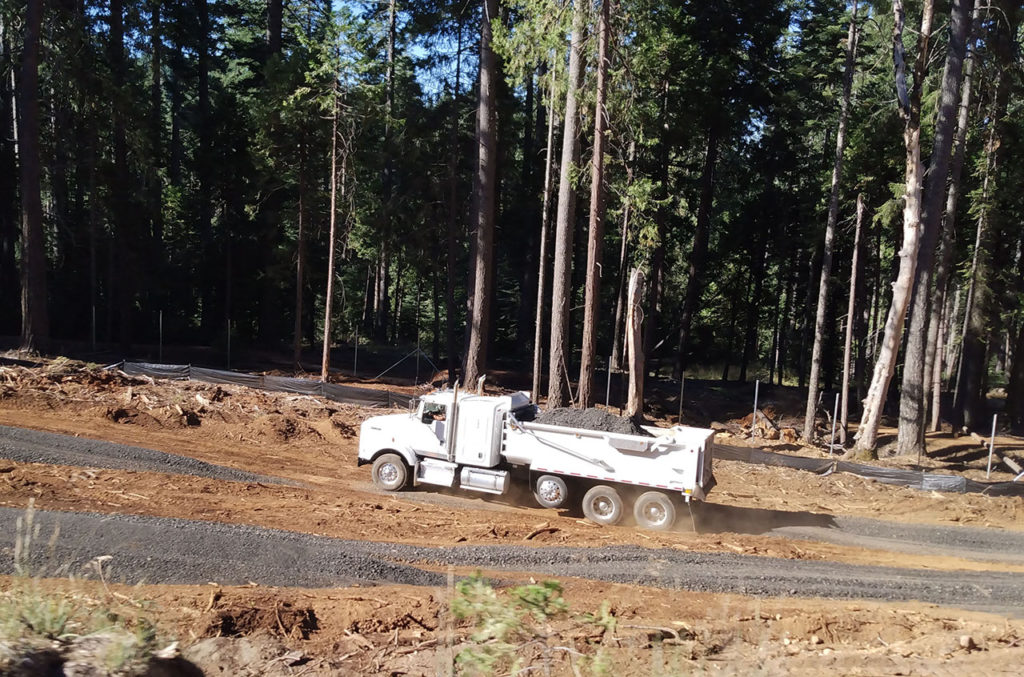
point(447, 431)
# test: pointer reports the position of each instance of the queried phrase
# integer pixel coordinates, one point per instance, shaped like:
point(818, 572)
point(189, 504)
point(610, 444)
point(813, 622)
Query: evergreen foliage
point(182, 144)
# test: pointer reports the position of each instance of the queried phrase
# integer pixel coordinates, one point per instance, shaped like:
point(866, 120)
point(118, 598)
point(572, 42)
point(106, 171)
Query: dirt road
point(966, 542)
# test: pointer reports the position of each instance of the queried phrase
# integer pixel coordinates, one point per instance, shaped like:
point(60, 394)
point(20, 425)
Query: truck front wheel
point(603, 505)
point(550, 491)
point(390, 472)
point(654, 510)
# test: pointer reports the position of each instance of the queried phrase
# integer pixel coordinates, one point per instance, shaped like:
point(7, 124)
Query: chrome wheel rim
point(654, 512)
point(603, 506)
point(550, 491)
point(388, 473)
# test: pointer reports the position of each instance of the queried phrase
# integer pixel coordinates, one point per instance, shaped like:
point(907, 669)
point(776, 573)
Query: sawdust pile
point(591, 419)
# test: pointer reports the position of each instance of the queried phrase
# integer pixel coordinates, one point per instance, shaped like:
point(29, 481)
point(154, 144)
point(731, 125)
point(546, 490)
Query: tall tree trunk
point(595, 239)
point(274, 13)
point(325, 362)
point(121, 189)
point(699, 252)
point(527, 210)
point(10, 288)
point(759, 260)
point(786, 324)
point(971, 365)
point(1015, 386)
point(830, 230)
point(435, 305)
point(561, 290)
point(910, 110)
point(950, 356)
point(155, 250)
point(484, 191)
point(542, 256)
point(945, 257)
point(806, 326)
point(635, 347)
point(620, 296)
point(850, 313)
point(204, 171)
point(176, 150)
point(396, 316)
point(35, 321)
point(380, 330)
point(451, 337)
point(652, 316)
point(967, 347)
point(300, 261)
point(910, 439)
point(863, 317)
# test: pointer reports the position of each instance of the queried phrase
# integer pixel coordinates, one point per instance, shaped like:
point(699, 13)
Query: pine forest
point(809, 193)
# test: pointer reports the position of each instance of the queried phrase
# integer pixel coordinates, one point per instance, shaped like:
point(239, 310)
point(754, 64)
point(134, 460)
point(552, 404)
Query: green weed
point(512, 631)
point(110, 627)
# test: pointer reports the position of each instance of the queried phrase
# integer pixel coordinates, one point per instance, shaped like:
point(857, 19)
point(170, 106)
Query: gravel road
point(176, 551)
point(160, 550)
point(994, 545)
point(33, 446)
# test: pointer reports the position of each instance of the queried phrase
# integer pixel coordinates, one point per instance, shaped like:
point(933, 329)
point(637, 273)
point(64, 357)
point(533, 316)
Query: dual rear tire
point(603, 504)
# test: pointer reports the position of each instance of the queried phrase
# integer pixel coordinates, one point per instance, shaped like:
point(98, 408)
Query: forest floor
point(755, 511)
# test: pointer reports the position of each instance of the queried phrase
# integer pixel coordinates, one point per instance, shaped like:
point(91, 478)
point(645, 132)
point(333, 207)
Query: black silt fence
point(906, 478)
point(366, 397)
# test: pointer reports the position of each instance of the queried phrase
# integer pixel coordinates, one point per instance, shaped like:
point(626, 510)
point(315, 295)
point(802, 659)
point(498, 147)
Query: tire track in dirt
point(991, 545)
point(975, 543)
point(161, 550)
point(33, 446)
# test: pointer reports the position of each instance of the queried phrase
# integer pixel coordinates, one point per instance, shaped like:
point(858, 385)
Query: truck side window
point(434, 412)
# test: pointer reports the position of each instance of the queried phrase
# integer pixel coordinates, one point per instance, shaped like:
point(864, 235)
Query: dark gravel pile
point(590, 419)
point(32, 446)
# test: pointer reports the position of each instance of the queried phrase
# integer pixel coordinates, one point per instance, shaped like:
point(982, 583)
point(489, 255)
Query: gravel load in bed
point(591, 419)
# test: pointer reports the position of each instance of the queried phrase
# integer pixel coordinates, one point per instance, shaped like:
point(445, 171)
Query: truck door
point(430, 430)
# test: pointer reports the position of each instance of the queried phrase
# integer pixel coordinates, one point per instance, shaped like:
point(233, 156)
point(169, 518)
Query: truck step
point(439, 473)
point(487, 481)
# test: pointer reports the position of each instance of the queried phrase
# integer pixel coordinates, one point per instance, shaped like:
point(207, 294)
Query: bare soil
point(395, 629)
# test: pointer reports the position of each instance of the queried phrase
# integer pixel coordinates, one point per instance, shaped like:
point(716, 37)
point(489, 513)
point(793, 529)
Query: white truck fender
point(406, 453)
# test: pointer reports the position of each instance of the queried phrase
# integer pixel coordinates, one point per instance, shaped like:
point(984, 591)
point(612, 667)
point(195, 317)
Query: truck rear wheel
point(603, 504)
point(390, 472)
point(550, 491)
point(654, 510)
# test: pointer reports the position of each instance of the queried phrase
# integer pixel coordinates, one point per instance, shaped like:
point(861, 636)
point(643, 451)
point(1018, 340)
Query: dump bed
point(674, 459)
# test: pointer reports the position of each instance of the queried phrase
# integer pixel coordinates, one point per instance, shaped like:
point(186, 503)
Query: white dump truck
point(490, 444)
